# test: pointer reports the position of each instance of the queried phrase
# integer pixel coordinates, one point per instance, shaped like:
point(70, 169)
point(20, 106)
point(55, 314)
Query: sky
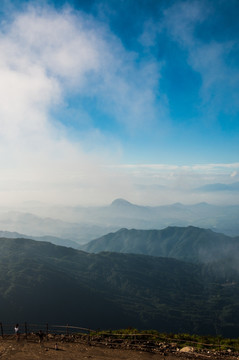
point(133, 99)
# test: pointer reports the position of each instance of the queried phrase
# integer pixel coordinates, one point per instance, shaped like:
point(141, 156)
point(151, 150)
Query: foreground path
point(32, 350)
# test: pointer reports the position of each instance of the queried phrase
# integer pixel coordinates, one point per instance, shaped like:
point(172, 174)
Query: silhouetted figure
point(17, 332)
point(41, 336)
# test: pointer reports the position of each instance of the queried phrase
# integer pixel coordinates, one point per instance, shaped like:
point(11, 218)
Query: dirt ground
point(32, 350)
point(24, 350)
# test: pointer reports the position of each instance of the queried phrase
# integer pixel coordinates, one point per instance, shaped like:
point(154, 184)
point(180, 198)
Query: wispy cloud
point(209, 57)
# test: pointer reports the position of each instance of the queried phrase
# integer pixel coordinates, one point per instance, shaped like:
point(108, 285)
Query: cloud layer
point(70, 88)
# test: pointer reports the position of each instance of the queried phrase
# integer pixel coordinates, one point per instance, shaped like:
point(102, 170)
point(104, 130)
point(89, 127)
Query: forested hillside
point(43, 282)
point(184, 243)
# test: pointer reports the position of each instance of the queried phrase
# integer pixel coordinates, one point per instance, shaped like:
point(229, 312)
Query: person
point(17, 332)
point(41, 336)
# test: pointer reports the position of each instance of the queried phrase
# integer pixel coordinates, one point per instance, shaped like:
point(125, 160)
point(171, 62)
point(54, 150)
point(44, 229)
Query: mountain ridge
point(184, 243)
point(52, 239)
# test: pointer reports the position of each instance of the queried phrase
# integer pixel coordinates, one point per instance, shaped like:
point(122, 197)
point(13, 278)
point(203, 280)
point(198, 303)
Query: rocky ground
point(62, 347)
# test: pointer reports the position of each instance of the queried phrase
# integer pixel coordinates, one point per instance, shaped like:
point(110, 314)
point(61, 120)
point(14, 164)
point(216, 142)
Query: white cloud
point(58, 42)
point(46, 55)
point(52, 53)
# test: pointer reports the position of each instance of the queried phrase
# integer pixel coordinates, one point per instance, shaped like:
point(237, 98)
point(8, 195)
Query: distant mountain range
point(219, 187)
point(41, 282)
point(35, 226)
point(51, 239)
point(184, 243)
point(83, 224)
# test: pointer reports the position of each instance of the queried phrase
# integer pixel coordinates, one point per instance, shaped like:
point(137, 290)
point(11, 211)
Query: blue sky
point(133, 99)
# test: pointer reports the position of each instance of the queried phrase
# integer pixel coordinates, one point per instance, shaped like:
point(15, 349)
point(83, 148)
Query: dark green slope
point(185, 243)
point(42, 282)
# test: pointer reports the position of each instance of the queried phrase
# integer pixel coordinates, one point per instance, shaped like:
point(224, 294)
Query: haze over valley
point(82, 224)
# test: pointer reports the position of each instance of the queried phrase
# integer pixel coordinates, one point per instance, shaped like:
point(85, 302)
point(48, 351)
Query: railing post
point(1, 329)
point(47, 331)
point(26, 330)
point(219, 346)
point(67, 330)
